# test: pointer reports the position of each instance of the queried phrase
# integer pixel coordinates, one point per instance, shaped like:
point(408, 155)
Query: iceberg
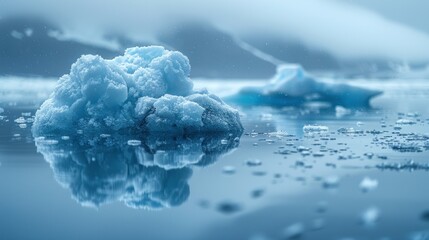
point(148, 89)
point(292, 86)
point(152, 175)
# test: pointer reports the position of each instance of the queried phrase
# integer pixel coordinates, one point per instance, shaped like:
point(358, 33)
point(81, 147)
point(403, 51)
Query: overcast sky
point(349, 29)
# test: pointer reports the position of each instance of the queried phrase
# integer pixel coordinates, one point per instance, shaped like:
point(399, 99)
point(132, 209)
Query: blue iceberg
point(147, 89)
point(142, 171)
point(292, 86)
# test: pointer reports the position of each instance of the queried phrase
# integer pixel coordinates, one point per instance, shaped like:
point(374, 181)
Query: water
point(366, 181)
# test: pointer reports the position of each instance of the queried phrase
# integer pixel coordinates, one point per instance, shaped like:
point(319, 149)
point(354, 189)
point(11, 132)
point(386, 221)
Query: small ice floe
point(20, 120)
point(229, 207)
point(228, 169)
point(224, 141)
point(22, 125)
point(315, 129)
point(370, 216)
point(147, 89)
point(134, 142)
point(368, 184)
point(331, 182)
point(253, 162)
point(405, 121)
point(407, 166)
point(292, 86)
point(349, 131)
point(318, 154)
point(406, 146)
point(1, 110)
point(65, 138)
point(294, 231)
point(359, 124)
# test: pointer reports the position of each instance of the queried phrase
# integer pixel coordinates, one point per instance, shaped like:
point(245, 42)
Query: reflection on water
point(149, 172)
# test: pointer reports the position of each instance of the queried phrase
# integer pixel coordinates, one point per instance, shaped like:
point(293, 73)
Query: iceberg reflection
point(149, 173)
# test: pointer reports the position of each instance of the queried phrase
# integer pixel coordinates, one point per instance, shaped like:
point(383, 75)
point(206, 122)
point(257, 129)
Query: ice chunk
point(153, 175)
point(147, 89)
point(292, 86)
point(368, 184)
point(331, 182)
point(370, 216)
point(315, 129)
point(406, 166)
point(405, 121)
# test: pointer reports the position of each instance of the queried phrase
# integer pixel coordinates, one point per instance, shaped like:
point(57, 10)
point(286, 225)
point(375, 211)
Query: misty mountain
point(29, 47)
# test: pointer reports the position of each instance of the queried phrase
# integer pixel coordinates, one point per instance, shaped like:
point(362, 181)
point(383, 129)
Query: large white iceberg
point(292, 86)
point(147, 89)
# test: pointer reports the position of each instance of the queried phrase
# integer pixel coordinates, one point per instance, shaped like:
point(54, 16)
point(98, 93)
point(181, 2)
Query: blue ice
point(147, 89)
point(292, 86)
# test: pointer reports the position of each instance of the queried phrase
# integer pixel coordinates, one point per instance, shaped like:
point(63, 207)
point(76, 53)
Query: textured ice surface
point(151, 175)
point(148, 89)
point(292, 86)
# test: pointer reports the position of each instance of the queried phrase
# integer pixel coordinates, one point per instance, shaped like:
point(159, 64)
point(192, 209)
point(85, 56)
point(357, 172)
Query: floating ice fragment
point(253, 162)
point(20, 120)
point(409, 166)
point(406, 146)
point(228, 169)
point(224, 141)
point(349, 131)
point(228, 207)
point(1, 110)
point(65, 138)
point(331, 182)
point(370, 216)
point(22, 125)
point(405, 121)
point(148, 89)
point(315, 129)
point(318, 154)
point(368, 184)
point(133, 142)
point(294, 231)
point(292, 86)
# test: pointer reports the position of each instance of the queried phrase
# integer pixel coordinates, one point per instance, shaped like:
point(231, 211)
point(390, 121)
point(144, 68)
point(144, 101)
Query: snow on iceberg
point(292, 86)
point(147, 89)
point(153, 174)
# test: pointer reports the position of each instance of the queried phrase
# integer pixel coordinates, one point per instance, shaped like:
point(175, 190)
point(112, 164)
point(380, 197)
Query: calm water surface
point(273, 182)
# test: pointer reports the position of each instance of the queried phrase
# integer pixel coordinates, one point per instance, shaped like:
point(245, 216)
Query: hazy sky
point(349, 29)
